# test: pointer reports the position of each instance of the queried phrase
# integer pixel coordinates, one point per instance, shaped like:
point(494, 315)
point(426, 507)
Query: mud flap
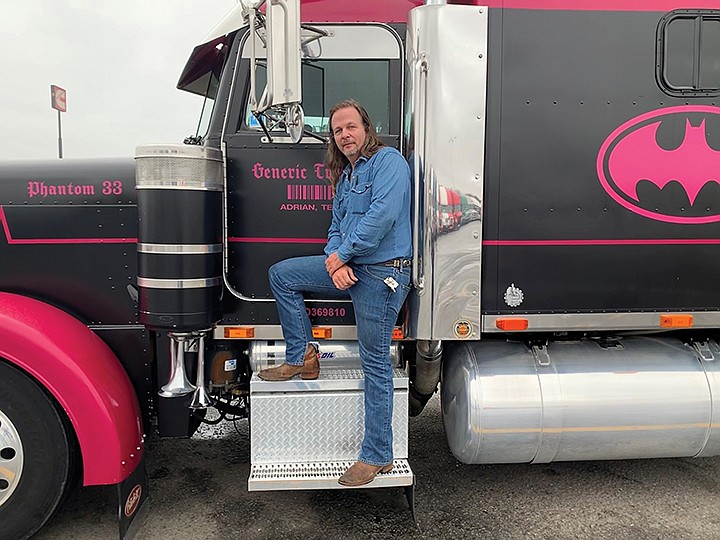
point(132, 502)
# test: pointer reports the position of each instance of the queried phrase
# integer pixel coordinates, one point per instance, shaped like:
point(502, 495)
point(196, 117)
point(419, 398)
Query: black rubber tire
point(47, 451)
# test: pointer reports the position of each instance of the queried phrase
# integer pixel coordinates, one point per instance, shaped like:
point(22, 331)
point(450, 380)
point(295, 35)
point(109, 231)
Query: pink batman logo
point(631, 154)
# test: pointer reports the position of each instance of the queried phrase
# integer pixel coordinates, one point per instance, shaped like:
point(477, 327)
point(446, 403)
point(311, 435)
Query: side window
point(688, 53)
point(326, 82)
point(333, 68)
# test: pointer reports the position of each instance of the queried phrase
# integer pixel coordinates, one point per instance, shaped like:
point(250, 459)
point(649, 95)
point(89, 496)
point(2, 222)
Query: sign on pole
point(58, 98)
point(58, 101)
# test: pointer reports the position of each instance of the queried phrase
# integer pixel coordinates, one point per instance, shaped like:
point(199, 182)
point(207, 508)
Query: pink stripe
point(397, 10)
point(608, 242)
point(43, 241)
point(252, 240)
point(49, 241)
point(5, 225)
point(603, 5)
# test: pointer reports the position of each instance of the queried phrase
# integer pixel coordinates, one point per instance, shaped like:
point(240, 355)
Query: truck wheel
point(36, 455)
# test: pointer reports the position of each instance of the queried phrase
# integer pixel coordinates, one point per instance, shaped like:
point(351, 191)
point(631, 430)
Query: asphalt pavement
point(199, 491)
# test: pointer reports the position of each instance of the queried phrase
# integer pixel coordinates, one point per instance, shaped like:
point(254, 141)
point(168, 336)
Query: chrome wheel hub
point(11, 458)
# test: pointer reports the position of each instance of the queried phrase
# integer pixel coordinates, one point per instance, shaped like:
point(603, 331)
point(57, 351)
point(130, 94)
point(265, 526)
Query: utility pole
point(58, 101)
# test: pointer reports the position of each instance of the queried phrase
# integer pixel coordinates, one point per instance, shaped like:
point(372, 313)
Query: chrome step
point(306, 434)
point(321, 475)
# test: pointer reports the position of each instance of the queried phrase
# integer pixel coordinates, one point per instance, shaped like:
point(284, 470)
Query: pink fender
point(84, 376)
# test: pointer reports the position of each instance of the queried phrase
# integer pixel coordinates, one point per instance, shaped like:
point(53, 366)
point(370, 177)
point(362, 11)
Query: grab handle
point(420, 101)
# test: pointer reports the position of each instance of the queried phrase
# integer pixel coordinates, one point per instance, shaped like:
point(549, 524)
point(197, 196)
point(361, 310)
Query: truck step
point(318, 421)
point(321, 475)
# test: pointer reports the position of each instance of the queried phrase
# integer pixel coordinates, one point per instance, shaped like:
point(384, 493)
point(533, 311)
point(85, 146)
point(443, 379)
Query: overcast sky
point(119, 61)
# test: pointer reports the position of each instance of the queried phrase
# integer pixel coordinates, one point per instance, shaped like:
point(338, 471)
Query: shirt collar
point(348, 168)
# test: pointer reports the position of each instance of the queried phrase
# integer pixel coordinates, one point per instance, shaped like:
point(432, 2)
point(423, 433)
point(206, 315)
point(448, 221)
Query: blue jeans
point(376, 310)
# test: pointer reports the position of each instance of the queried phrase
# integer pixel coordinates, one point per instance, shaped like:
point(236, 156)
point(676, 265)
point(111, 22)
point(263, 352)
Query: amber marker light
point(322, 332)
point(398, 333)
point(511, 325)
point(240, 332)
point(676, 321)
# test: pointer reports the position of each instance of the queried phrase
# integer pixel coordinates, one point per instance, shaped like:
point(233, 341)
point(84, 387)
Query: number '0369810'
point(112, 187)
point(325, 312)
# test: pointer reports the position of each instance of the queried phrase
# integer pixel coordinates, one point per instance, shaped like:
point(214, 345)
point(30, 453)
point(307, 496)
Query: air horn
point(201, 398)
point(178, 384)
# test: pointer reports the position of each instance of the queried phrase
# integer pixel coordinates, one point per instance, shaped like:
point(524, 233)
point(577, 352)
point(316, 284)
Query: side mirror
point(283, 92)
point(283, 30)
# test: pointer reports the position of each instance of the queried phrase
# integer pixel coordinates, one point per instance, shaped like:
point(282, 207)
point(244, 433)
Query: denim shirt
point(371, 210)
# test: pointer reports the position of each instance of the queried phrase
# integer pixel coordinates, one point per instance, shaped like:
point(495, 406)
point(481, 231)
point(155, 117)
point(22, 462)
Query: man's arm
point(334, 237)
point(391, 182)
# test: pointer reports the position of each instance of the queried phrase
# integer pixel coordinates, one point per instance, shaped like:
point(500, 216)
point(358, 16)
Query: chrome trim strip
point(274, 331)
point(188, 185)
point(554, 322)
point(103, 327)
point(288, 140)
point(199, 283)
point(178, 151)
point(240, 44)
point(179, 248)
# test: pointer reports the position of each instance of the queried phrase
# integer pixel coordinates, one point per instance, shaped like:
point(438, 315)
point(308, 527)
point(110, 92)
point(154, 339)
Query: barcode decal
point(316, 192)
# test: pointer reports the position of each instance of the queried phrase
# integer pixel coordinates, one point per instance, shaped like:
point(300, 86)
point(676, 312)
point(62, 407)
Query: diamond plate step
point(321, 475)
point(318, 421)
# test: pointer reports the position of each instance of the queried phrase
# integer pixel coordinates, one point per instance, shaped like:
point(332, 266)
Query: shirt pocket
point(359, 197)
point(341, 203)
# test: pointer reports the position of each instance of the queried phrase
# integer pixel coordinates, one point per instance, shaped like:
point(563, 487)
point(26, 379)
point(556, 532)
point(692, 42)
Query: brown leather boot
point(361, 473)
point(310, 368)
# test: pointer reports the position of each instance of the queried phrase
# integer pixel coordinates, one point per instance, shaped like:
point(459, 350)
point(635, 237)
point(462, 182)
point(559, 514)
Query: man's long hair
point(335, 160)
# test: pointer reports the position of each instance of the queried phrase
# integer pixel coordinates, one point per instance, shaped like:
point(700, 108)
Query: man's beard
point(354, 150)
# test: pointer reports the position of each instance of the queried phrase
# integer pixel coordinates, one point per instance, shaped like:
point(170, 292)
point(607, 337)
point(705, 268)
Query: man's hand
point(332, 263)
point(344, 277)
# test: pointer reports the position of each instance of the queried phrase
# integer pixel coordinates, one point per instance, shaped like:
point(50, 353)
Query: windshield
point(207, 110)
point(201, 76)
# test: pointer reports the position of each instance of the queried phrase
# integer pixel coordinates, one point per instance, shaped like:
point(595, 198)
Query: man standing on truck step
point(366, 258)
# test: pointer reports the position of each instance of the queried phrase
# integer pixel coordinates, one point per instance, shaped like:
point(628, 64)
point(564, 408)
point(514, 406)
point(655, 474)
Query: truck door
point(278, 195)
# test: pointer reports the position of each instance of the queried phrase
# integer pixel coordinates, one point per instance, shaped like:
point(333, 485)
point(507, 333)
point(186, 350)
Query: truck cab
point(566, 218)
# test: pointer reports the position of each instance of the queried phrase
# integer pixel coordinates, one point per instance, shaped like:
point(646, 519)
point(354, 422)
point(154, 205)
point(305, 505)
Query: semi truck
point(571, 311)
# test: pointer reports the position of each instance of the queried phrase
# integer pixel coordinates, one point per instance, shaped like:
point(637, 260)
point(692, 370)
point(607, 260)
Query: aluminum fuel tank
point(639, 397)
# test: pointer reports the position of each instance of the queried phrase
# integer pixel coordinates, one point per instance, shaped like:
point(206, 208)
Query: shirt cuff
point(343, 255)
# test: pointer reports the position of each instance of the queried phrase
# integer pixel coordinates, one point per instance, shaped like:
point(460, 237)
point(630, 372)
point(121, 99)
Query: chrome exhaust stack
point(424, 384)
